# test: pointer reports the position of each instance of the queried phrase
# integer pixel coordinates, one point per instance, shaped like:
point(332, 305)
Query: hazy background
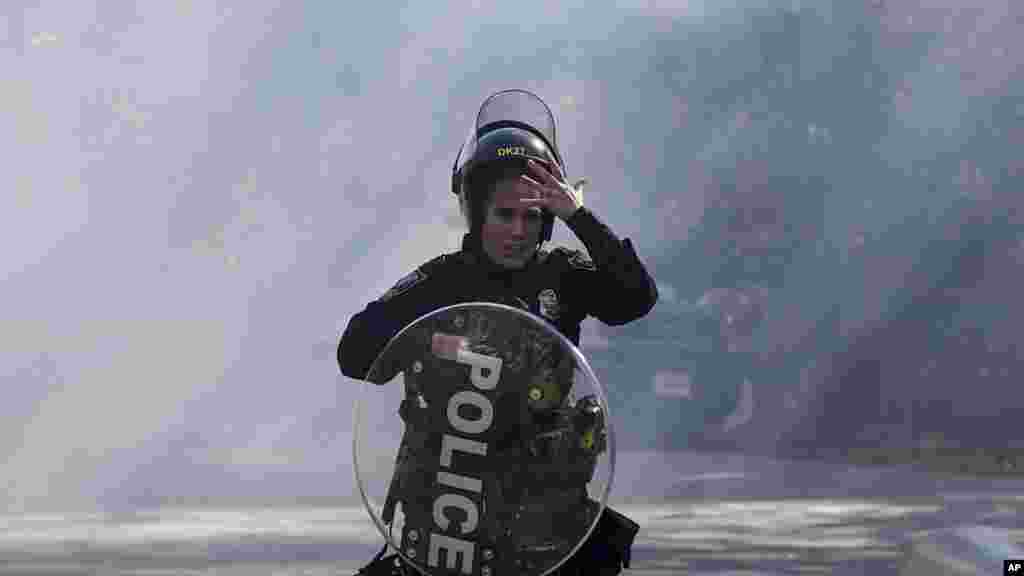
point(196, 196)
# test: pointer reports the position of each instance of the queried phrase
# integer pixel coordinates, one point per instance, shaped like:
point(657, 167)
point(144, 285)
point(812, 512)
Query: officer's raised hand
point(554, 193)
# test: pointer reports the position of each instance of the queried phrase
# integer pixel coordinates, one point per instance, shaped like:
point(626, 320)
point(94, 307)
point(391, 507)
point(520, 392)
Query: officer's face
point(511, 231)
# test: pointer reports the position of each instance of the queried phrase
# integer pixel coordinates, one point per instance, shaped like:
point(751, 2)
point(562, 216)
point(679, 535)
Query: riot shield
point(502, 457)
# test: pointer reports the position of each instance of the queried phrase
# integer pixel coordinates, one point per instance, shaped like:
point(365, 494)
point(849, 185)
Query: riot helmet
point(511, 127)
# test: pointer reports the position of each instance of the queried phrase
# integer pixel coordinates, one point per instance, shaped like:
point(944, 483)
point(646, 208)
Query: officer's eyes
point(510, 214)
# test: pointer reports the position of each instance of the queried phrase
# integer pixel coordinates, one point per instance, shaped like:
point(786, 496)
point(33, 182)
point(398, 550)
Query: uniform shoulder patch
point(579, 260)
point(405, 284)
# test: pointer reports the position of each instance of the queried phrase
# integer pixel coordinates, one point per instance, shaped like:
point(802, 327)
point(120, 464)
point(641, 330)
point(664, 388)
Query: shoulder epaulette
point(415, 277)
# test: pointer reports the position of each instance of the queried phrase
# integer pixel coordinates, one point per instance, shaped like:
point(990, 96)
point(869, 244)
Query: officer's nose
point(519, 225)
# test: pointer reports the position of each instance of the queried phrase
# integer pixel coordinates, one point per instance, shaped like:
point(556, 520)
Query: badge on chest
point(548, 304)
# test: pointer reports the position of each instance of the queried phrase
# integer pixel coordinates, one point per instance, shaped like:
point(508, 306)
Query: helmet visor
point(517, 106)
point(510, 107)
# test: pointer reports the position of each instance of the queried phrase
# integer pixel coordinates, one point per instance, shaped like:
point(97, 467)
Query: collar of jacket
point(473, 253)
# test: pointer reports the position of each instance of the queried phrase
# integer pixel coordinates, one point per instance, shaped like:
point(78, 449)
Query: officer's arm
point(620, 289)
point(369, 331)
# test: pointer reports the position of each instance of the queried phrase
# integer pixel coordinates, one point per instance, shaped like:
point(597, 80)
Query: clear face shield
point(510, 108)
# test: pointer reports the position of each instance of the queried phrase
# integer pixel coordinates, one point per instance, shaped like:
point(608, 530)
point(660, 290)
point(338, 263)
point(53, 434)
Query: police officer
point(510, 182)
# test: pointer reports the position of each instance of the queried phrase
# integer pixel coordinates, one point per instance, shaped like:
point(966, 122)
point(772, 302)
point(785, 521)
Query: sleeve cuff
point(577, 218)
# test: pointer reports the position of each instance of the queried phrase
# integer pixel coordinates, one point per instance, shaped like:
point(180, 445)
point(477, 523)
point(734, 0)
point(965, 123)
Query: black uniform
point(561, 285)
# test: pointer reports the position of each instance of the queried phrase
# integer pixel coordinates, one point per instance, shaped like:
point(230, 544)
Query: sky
point(197, 196)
